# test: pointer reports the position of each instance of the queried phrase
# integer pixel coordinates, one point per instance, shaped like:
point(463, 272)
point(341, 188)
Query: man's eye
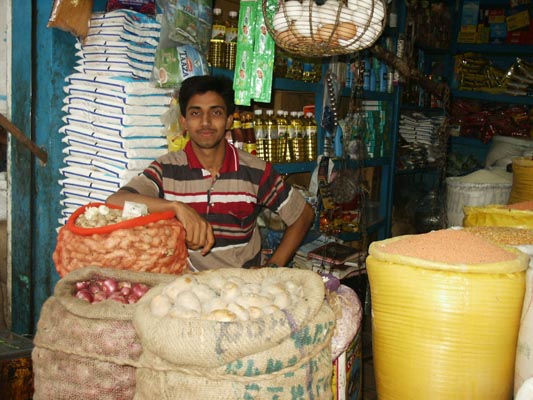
point(217, 113)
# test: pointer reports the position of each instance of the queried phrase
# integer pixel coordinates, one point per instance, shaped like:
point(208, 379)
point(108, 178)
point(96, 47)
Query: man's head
point(203, 84)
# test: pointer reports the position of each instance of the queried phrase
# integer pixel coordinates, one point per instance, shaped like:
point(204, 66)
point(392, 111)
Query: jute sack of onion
point(150, 243)
point(236, 334)
point(85, 345)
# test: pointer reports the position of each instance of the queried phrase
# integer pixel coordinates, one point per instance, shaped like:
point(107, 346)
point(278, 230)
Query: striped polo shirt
point(231, 201)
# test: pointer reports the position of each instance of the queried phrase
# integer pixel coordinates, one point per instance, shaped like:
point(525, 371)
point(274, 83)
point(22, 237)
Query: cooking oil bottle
point(250, 144)
point(271, 137)
point(259, 132)
point(231, 39)
point(216, 55)
point(236, 131)
point(283, 134)
point(310, 137)
point(296, 145)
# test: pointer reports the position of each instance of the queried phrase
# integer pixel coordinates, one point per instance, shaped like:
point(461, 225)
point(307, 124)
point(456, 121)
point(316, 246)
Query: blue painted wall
point(42, 57)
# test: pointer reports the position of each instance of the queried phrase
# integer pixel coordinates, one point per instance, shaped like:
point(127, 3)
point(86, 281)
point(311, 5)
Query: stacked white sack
point(112, 128)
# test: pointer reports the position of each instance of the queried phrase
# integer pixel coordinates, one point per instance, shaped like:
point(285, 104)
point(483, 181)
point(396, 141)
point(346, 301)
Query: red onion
point(139, 289)
point(95, 287)
point(117, 296)
point(99, 296)
point(123, 284)
point(132, 298)
point(84, 294)
point(125, 290)
point(82, 285)
point(110, 285)
point(101, 288)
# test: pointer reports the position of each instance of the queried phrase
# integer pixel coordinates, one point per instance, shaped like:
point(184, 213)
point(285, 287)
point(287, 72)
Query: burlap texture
point(88, 343)
point(284, 354)
point(210, 344)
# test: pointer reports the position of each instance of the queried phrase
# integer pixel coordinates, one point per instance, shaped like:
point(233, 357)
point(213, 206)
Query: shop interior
point(422, 124)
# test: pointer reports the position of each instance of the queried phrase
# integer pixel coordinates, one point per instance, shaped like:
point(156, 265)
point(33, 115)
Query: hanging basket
point(331, 28)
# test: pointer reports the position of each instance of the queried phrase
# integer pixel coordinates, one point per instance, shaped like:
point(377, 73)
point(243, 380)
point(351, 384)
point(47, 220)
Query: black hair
point(203, 84)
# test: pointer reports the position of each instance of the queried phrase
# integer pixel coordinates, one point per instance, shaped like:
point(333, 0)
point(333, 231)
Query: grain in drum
point(448, 246)
point(446, 310)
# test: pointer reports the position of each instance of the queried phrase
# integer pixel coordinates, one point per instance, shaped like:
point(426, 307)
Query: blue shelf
point(497, 98)
point(295, 167)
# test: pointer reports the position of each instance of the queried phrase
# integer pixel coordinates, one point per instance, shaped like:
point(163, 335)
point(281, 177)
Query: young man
point(216, 190)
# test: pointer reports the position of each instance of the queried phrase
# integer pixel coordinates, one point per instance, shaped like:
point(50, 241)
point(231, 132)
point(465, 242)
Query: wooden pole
point(34, 149)
point(439, 89)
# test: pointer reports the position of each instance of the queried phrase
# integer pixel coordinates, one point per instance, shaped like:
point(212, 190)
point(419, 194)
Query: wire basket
point(331, 28)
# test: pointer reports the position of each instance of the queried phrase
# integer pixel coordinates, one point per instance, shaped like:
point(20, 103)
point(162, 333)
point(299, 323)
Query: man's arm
point(199, 233)
point(293, 236)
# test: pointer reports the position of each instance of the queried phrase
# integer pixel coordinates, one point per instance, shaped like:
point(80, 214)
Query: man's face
point(206, 120)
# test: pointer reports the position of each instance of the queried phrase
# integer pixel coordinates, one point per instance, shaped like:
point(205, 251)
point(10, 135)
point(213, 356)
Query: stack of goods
point(483, 121)
point(421, 142)
point(478, 189)
point(112, 127)
point(475, 72)
point(446, 309)
point(111, 334)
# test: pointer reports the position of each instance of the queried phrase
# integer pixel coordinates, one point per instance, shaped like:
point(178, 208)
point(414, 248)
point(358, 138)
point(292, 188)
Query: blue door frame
point(41, 59)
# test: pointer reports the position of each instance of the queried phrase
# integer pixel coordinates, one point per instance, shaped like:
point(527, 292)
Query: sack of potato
point(86, 346)
point(236, 333)
point(99, 235)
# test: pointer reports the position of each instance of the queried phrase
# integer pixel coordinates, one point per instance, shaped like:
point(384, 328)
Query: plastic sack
point(71, 16)
point(522, 189)
point(151, 243)
point(518, 215)
point(504, 148)
point(445, 330)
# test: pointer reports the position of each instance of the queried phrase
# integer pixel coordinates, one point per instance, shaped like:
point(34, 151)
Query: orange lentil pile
point(524, 206)
point(449, 246)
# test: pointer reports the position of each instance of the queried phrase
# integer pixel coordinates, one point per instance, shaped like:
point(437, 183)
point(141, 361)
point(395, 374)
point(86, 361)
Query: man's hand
point(198, 232)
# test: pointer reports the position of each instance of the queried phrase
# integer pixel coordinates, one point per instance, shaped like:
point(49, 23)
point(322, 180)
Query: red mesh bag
point(151, 243)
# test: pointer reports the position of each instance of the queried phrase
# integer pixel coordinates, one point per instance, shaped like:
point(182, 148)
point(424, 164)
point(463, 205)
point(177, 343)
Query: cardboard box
point(16, 375)
point(347, 380)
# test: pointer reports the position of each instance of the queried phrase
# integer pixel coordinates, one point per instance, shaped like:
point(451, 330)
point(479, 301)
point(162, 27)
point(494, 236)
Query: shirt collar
point(231, 158)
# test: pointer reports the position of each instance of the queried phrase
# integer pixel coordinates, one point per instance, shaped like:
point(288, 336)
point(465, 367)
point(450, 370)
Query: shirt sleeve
point(280, 197)
point(147, 183)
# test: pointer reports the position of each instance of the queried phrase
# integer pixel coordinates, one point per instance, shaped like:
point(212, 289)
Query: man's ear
point(182, 121)
point(229, 121)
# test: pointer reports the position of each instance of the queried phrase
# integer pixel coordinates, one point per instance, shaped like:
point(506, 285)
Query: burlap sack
point(284, 354)
point(88, 351)
point(151, 243)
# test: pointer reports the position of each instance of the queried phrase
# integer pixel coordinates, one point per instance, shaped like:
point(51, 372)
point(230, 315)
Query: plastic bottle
point(231, 39)
point(250, 144)
point(296, 148)
point(259, 132)
point(216, 55)
point(236, 131)
point(283, 134)
point(310, 137)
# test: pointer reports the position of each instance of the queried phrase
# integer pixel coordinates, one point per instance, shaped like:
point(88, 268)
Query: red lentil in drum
point(524, 206)
point(449, 246)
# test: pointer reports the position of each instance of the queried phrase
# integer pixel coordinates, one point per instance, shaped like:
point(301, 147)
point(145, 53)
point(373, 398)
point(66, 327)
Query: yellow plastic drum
point(446, 313)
